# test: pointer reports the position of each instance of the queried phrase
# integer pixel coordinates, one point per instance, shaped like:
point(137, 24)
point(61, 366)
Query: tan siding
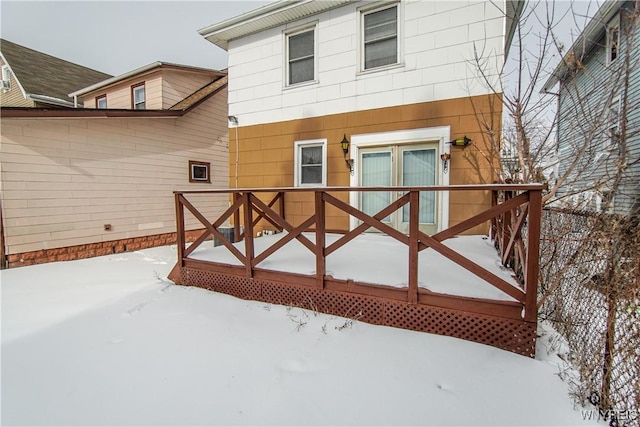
point(64, 179)
point(177, 85)
point(163, 89)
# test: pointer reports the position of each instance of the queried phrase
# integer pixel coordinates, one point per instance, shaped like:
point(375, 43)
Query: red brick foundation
point(95, 249)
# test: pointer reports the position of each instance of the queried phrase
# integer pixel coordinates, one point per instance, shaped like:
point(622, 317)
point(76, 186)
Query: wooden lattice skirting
point(513, 335)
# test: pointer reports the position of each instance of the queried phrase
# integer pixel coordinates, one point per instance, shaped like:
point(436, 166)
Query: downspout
point(3, 252)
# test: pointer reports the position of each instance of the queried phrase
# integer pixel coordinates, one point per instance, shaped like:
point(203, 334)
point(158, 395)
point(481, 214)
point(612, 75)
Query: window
point(380, 37)
point(310, 161)
point(614, 124)
point(301, 56)
point(613, 40)
point(6, 78)
point(199, 171)
point(138, 97)
point(101, 101)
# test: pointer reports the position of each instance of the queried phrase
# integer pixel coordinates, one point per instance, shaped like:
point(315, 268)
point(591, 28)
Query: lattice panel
point(367, 309)
point(232, 285)
point(512, 335)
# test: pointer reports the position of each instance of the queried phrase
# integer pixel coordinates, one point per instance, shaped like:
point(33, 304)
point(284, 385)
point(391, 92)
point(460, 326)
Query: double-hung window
point(301, 56)
point(138, 97)
point(614, 123)
point(310, 160)
point(379, 37)
point(613, 39)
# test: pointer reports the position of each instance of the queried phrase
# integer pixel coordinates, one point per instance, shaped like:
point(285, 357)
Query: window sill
point(379, 69)
point(303, 84)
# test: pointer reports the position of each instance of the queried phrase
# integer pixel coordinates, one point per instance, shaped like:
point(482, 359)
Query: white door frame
point(440, 134)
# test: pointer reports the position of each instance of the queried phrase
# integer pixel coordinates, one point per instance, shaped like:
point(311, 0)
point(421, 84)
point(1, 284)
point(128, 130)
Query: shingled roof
point(45, 75)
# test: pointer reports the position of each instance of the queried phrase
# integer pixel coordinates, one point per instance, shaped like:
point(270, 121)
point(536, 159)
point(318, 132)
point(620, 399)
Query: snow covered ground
point(379, 259)
point(108, 341)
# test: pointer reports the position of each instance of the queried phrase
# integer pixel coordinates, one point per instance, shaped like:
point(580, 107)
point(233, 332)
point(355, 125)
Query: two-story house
point(97, 180)
point(35, 79)
point(362, 93)
point(598, 115)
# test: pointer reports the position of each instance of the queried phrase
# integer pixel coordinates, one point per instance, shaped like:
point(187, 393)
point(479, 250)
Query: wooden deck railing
point(513, 206)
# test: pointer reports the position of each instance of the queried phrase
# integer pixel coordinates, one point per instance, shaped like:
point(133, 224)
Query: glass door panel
point(376, 170)
point(419, 168)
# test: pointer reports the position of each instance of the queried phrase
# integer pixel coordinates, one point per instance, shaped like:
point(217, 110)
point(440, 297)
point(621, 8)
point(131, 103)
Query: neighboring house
point(394, 80)
point(94, 181)
point(599, 114)
point(35, 79)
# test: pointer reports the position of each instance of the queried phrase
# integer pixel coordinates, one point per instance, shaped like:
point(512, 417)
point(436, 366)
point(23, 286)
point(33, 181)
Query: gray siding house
point(598, 128)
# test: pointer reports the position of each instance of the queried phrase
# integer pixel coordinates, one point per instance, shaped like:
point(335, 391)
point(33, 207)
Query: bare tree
point(585, 133)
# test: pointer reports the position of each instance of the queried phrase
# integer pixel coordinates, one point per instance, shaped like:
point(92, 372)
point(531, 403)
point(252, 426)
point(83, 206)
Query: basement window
point(199, 171)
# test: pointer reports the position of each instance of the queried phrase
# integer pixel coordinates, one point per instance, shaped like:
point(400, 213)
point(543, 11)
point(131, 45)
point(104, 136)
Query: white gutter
point(49, 100)
point(137, 71)
point(115, 79)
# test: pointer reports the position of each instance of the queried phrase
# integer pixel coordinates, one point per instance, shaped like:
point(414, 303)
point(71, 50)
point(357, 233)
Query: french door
point(400, 165)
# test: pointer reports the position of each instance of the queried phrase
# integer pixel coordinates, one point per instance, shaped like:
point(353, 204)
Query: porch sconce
point(345, 150)
point(445, 157)
point(460, 142)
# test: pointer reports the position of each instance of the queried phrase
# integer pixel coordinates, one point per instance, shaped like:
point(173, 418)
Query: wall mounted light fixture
point(460, 142)
point(445, 157)
point(345, 150)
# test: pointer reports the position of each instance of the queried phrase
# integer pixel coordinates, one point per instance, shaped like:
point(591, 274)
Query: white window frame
point(361, 42)
point(440, 134)
point(613, 125)
point(294, 32)
point(6, 78)
point(613, 25)
point(134, 89)
point(297, 161)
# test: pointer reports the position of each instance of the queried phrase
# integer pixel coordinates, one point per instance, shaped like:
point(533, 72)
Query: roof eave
point(587, 39)
point(77, 113)
point(269, 16)
point(138, 71)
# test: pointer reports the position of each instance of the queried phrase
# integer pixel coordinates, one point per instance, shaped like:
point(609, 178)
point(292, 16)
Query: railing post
point(533, 255)
point(414, 227)
point(494, 221)
point(320, 238)
point(248, 233)
point(506, 229)
point(281, 205)
point(236, 220)
point(180, 232)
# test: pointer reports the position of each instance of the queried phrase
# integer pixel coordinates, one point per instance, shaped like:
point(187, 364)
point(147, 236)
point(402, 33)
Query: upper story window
point(301, 56)
point(613, 39)
point(379, 35)
point(614, 122)
point(138, 97)
point(101, 101)
point(310, 162)
point(6, 78)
